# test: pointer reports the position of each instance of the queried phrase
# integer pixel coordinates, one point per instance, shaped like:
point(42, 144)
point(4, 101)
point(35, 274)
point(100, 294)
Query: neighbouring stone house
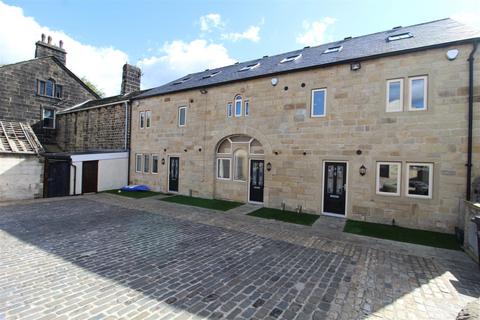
point(33, 91)
point(370, 128)
point(21, 167)
point(95, 138)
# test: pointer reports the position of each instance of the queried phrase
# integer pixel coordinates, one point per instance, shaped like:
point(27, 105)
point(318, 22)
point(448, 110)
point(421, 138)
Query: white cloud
point(315, 32)
point(179, 58)
point(18, 34)
point(470, 18)
point(252, 34)
point(210, 21)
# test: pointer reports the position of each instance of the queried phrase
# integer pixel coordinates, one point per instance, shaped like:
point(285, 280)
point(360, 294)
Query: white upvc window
point(223, 168)
point(148, 119)
point(146, 163)
point(182, 116)
point(48, 118)
point(138, 162)
point(417, 93)
point(419, 180)
point(141, 119)
point(388, 178)
point(247, 107)
point(154, 163)
point(319, 103)
point(229, 110)
point(238, 106)
point(394, 95)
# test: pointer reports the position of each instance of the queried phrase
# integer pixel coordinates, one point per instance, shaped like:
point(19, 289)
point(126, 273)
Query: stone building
point(95, 138)
point(370, 128)
point(33, 91)
point(21, 166)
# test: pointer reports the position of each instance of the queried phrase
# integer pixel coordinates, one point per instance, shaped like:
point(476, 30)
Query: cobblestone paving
point(87, 258)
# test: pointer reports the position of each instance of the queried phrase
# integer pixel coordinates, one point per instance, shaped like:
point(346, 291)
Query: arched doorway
point(239, 169)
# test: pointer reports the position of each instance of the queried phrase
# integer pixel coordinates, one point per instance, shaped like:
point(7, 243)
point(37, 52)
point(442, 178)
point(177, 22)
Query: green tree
point(93, 87)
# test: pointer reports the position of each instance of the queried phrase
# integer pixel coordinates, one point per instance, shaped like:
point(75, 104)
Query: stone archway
point(238, 176)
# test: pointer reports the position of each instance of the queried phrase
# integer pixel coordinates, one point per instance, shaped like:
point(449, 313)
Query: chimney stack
point(131, 77)
point(47, 49)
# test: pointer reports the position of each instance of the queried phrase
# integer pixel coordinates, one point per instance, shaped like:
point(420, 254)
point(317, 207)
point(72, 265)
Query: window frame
point(137, 155)
point(425, 93)
point(141, 119)
point(53, 88)
point(238, 99)
point(146, 157)
point(387, 98)
point(312, 115)
point(57, 91)
point(333, 49)
point(54, 117)
point(234, 158)
point(148, 119)
point(185, 118)
point(39, 91)
point(229, 168)
point(291, 58)
point(153, 156)
point(399, 179)
point(430, 180)
point(247, 107)
point(229, 110)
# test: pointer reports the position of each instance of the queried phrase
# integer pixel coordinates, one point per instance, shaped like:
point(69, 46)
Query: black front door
point(334, 187)
point(89, 176)
point(256, 180)
point(173, 174)
point(57, 178)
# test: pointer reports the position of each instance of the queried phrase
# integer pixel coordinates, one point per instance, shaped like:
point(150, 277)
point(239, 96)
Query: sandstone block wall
point(297, 145)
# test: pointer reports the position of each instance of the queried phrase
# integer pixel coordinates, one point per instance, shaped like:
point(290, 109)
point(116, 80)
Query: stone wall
point(96, 129)
point(297, 145)
point(21, 177)
point(20, 102)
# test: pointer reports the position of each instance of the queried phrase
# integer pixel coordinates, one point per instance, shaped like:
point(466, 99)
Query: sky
point(169, 39)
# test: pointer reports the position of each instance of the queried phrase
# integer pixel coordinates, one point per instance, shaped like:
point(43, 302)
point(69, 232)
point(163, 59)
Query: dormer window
point(213, 74)
point(182, 80)
point(291, 58)
point(333, 49)
point(399, 36)
point(250, 67)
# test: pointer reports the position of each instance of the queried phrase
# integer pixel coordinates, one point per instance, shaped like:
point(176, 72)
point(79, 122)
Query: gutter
point(129, 124)
point(93, 107)
point(471, 60)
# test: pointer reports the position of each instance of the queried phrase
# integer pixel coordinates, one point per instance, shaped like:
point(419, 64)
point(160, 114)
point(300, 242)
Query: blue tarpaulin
point(135, 187)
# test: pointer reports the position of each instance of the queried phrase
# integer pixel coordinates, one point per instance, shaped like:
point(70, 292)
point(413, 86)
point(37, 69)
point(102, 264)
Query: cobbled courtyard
point(99, 258)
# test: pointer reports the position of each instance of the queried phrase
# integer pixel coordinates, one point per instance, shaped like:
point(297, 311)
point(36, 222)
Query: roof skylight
point(291, 58)
point(333, 49)
point(213, 74)
point(182, 80)
point(399, 36)
point(250, 66)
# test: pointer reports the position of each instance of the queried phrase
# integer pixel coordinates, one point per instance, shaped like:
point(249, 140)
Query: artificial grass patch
point(134, 194)
point(221, 205)
point(396, 233)
point(285, 216)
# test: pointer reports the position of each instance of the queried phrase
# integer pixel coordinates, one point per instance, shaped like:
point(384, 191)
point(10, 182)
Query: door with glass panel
point(334, 188)
point(256, 180)
point(173, 173)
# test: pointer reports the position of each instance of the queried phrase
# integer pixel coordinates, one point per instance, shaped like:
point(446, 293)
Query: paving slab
point(110, 257)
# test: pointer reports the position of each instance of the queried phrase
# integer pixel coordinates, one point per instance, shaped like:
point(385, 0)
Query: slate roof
point(18, 137)
point(425, 35)
point(91, 104)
